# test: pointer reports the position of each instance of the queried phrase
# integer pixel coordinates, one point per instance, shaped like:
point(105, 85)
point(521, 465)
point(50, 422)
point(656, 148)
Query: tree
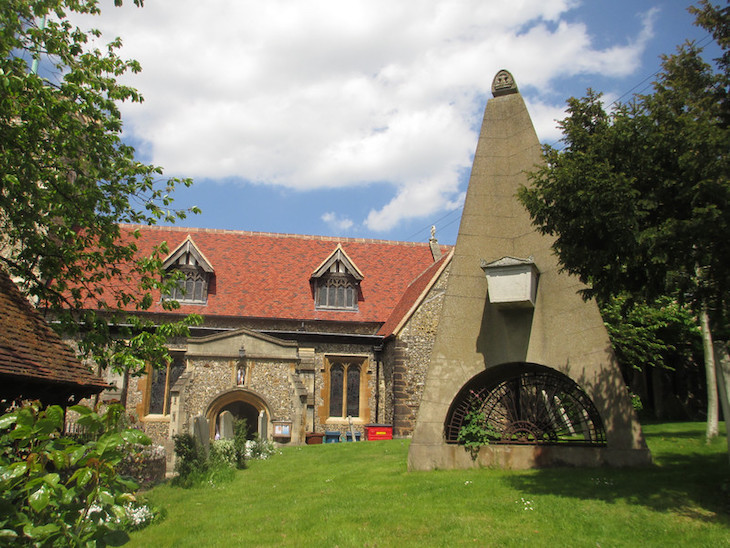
point(638, 198)
point(658, 348)
point(67, 180)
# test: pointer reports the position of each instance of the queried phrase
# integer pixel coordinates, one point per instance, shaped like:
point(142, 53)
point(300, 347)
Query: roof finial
point(503, 84)
point(434, 244)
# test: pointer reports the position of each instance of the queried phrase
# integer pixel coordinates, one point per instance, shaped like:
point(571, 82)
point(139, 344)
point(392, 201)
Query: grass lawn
point(360, 494)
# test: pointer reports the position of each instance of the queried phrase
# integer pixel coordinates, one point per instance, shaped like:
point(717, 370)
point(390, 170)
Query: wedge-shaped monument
point(539, 366)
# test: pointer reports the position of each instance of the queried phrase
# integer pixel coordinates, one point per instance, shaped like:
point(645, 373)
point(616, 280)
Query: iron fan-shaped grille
point(533, 408)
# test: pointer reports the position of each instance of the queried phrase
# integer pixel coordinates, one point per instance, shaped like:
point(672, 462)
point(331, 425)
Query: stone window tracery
point(194, 276)
point(192, 287)
point(160, 383)
point(344, 385)
point(337, 291)
point(336, 282)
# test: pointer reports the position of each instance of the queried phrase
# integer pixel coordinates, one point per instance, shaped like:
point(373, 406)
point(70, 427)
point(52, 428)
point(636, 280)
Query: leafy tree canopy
point(661, 334)
point(638, 197)
point(67, 180)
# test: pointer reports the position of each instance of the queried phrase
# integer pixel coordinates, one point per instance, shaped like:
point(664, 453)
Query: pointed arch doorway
point(242, 404)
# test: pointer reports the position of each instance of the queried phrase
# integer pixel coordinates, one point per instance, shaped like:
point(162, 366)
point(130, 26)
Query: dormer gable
point(338, 262)
point(187, 253)
point(337, 282)
point(196, 271)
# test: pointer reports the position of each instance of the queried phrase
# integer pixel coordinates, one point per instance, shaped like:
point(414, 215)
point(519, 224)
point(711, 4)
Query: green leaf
point(8, 535)
point(81, 409)
point(59, 459)
point(25, 418)
point(82, 476)
point(45, 426)
point(116, 537)
point(133, 435)
point(40, 532)
point(55, 414)
point(77, 454)
point(15, 470)
point(128, 484)
point(8, 420)
point(40, 498)
point(106, 497)
point(52, 479)
point(108, 442)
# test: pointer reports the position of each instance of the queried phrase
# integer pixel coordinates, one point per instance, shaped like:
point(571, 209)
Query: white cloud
point(336, 93)
point(340, 224)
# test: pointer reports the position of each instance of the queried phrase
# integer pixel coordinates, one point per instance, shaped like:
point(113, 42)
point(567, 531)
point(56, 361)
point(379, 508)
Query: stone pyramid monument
point(516, 341)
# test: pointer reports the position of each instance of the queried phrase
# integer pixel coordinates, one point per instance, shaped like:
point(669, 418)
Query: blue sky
point(359, 118)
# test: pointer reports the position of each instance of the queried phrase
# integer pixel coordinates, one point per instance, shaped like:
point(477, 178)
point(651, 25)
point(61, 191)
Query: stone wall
point(410, 355)
point(211, 377)
point(391, 395)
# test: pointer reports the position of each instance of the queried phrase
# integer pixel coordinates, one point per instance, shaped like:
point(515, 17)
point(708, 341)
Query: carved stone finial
point(503, 84)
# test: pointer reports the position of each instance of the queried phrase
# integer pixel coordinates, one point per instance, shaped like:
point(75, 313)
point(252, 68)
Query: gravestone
point(201, 432)
point(263, 424)
point(225, 425)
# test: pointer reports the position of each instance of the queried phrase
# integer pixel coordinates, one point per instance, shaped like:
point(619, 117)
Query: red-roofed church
point(300, 334)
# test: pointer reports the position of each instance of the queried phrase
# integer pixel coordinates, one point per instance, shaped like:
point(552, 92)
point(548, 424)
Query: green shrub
point(195, 469)
point(259, 448)
point(55, 490)
point(191, 463)
point(240, 435)
point(223, 453)
point(475, 432)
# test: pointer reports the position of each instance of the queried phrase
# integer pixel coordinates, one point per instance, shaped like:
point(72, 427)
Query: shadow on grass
point(692, 485)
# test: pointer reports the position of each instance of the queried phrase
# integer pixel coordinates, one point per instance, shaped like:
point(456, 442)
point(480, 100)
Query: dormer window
point(336, 291)
point(196, 271)
point(337, 282)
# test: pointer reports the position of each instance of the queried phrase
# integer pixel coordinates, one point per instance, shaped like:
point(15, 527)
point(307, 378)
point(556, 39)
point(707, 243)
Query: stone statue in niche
point(240, 375)
point(503, 84)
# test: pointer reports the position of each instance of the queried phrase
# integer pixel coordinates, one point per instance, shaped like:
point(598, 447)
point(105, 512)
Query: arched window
point(345, 380)
point(336, 390)
point(160, 383)
point(337, 291)
point(353, 391)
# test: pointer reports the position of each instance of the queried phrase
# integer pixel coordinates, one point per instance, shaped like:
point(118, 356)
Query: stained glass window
point(344, 388)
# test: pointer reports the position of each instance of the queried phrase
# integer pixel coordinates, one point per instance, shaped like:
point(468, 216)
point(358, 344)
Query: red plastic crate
point(375, 432)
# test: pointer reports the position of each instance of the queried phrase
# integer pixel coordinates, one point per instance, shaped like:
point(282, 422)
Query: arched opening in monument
point(529, 404)
point(241, 404)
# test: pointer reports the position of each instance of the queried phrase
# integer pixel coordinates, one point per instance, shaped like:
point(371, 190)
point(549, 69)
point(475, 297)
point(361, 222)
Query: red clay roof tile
point(265, 275)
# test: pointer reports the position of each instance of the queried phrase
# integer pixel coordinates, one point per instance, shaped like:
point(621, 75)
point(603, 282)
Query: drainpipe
point(377, 351)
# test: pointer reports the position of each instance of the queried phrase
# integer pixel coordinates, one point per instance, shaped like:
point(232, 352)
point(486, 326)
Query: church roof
point(266, 275)
point(413, 296)
point(34, 362)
